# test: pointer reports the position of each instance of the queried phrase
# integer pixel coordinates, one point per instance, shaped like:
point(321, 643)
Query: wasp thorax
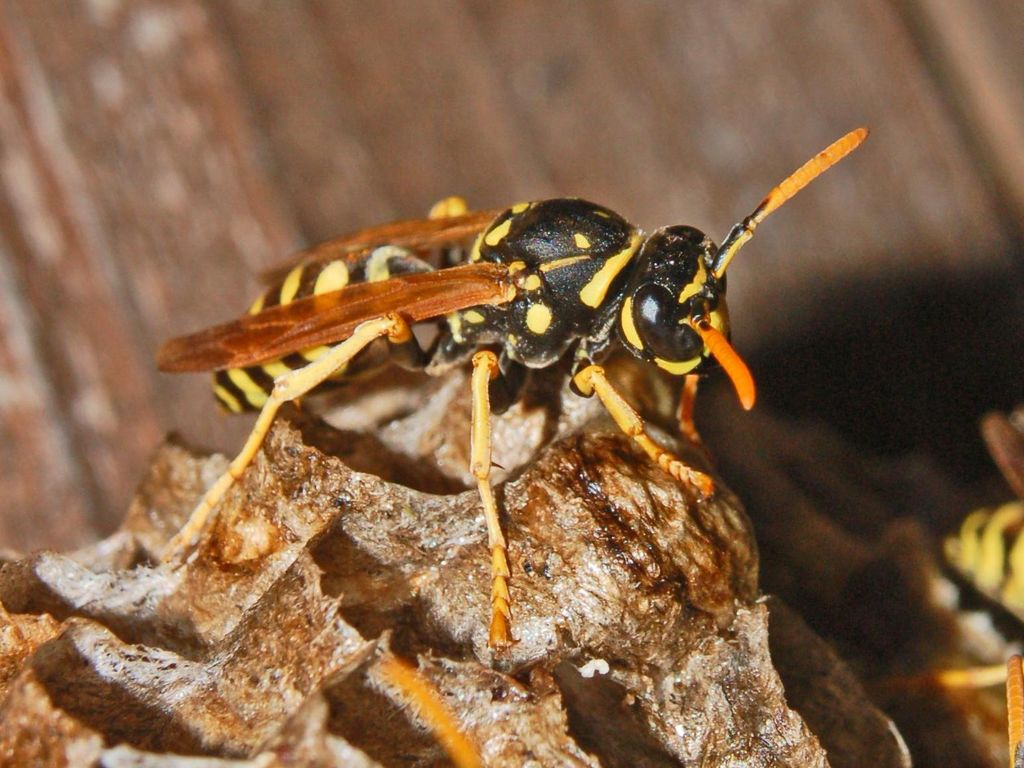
point(672, 293)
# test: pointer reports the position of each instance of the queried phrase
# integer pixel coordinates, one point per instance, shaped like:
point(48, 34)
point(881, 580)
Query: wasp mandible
point(542, 280)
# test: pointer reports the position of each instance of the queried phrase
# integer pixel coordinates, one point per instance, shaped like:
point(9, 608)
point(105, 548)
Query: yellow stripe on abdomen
point(253, 392)
point(988, 550)
point(290, 286)
point(227, 399)
point(991, 566)
point(240, 389)
point(333, 277)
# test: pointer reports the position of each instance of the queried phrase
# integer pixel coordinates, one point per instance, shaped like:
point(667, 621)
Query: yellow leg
point(485, 368)
point(687, 399)
point(287, 387)
point(431, 710)
point(592, 380)
point(971, 677)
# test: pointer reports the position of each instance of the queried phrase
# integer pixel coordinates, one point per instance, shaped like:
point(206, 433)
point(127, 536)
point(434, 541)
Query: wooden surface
point(156, 154)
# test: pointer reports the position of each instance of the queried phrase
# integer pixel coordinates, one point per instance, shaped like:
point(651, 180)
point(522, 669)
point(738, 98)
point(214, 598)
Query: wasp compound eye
point(662, 326)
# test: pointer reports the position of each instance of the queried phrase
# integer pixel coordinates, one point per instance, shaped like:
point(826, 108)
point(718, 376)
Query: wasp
point(541, 280)
point(988, 549)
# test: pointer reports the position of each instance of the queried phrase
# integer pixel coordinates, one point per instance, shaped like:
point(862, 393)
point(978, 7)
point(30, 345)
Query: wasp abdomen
point(247, 389)
point(988, 551)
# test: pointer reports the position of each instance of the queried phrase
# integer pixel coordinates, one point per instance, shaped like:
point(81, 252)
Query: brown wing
point(414, 234)
point(327, 318)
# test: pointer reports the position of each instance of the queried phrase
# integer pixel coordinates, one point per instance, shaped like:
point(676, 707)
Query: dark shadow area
point(863, 453)
point(370, 721)
point(916, 709)
point(365, 453)
point(111, 707)
point(592, 703)
point(897, 368)
point(827, 695)
point(376, 598)
point(23, 591)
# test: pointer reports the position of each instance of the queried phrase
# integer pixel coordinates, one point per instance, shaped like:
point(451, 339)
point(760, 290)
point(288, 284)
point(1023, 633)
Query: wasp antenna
point(731, 362)
point(1015, 709)
point(804, 175)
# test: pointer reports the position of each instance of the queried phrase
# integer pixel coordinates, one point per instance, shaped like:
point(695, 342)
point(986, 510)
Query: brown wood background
point(156, 154)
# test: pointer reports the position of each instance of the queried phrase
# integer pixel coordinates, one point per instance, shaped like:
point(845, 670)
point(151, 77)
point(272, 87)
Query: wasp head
point(674, 293)
point(674, 313)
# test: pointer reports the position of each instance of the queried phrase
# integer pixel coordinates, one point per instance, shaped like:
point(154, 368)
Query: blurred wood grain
point(156, 154)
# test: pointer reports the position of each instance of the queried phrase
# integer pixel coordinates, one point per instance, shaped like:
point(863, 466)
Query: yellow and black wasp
point(988, 552)
point(988, 549)
point(542, 280)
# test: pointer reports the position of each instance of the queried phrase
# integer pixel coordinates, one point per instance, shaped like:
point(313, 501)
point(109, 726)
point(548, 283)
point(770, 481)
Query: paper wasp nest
point(642, 638)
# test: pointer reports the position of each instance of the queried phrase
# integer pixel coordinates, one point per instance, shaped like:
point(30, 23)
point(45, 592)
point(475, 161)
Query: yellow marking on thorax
point(677, 369)
point(474, 254)
point(455, 326)
point(519, 208)
point(532, 282)
point(547, 266)
point(229, 400)
point(497, 234)
point(696, 285)
point(290, 286)
point(538, 318)
point(473, 316)
point(334, 277)
point(253, 392)
point(257, 306)
point(581, 240)
point(594, 292)
point(628, 326)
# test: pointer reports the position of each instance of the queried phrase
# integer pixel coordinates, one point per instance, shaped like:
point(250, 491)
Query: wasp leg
point(507, 384)
point(687, 399)
point(971, 677)
point(485, 368)
point(592, 380)
point(409, 354)
point(287, 387)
